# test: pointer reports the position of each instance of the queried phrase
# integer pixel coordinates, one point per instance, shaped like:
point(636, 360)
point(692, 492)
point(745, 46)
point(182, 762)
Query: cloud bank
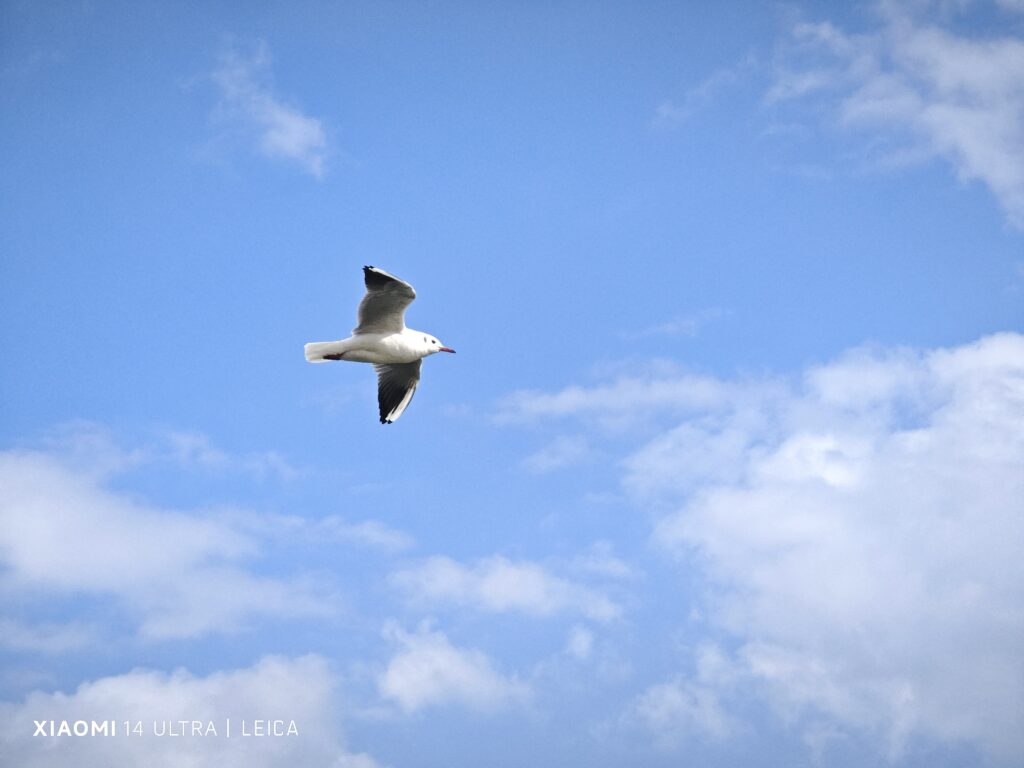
point(855, 533)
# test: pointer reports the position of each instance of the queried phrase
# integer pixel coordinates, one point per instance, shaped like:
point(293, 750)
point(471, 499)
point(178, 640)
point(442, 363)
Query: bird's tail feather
point(316, 350)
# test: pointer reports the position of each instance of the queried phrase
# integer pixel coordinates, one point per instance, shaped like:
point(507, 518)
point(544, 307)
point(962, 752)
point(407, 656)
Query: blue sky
point(726, 469)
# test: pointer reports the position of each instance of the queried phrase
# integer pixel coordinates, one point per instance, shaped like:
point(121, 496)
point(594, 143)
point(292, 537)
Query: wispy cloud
point(370, 533)
point(682, 707)
point(688, 325)
point(500, 585)
point(563, 451)
point(280, 130)
point(580, 643)
point(196, 449)
point(671, 113)
point(427, 670)
point(600, 560)
point(300, 689)
point(924, 89)
point(45, 637)
point(855, 527)
point(617, 404)
point(32, 63)
point(94, 449)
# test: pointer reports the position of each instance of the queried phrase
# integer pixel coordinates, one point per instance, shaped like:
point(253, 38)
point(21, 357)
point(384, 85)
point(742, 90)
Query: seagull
point(381, 338)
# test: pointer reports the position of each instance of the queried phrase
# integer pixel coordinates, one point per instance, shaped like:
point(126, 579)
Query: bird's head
point(435, 345)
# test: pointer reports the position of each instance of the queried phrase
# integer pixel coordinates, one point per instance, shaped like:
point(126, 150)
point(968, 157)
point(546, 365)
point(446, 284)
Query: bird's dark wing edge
point(379, 280)
point(396, 384)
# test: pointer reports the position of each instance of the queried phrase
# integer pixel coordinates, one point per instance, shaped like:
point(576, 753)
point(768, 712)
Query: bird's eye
point(434, 341)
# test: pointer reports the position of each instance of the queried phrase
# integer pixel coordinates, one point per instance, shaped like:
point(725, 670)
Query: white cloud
point(858, 533)
point(300, 689)
point(179, 575)
point(500, 585)
point(282, 131)
point(926, 90)
point(874, 536)
point(428, 670)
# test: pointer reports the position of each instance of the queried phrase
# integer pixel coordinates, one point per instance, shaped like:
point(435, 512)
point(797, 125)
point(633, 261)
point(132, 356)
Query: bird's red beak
point(446, 349)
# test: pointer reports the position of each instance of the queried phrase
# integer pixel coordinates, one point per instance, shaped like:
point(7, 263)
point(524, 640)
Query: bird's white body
point(406, 346)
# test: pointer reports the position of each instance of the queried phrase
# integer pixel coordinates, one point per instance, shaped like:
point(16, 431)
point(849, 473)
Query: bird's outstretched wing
point(382, 309)
point(396, 385)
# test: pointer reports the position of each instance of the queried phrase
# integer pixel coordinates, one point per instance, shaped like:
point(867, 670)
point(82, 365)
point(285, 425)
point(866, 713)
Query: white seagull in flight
point(381, 338)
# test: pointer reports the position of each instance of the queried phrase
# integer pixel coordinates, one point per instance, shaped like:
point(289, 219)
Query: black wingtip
point(376, 278)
